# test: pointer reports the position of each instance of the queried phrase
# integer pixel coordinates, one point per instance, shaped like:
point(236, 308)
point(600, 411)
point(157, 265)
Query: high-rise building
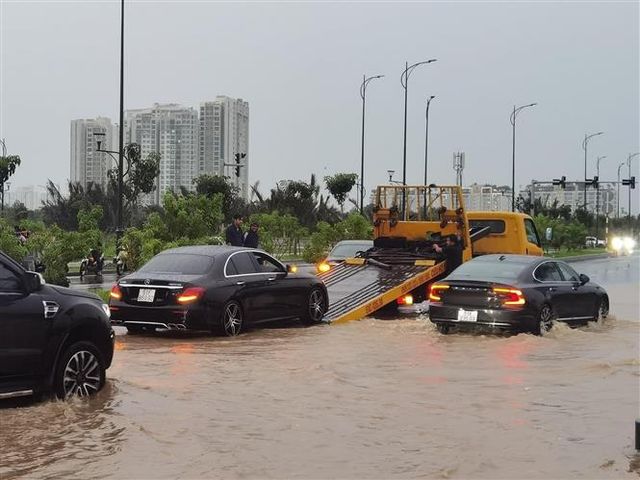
point(87, 164)
point(487, 198)
point(606, 196)
point(31, 196)
point(170, 130)
point(224, 132)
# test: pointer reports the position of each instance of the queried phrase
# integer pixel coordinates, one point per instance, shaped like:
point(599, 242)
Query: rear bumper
point(169, 317)
point(515, 320)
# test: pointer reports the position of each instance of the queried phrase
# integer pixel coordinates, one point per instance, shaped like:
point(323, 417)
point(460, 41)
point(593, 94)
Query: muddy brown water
point(370, 399)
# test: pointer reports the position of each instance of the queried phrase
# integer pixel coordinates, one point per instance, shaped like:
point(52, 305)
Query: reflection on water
point(371, 399)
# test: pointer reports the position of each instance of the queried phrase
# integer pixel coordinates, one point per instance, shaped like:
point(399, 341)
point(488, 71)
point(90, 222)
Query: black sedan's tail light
point(115, 293)
point(190, 295)
point(435, 290)
point(509, 297)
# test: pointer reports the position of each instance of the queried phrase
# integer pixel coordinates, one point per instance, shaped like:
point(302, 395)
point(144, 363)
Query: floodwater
point(370, 399)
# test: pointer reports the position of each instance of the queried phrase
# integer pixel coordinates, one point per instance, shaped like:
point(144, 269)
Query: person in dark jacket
point(251, 238)
point(234, 235)
point(452, 251)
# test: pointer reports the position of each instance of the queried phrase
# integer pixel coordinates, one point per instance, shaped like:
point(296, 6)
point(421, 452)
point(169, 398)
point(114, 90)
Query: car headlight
point(617, 243)
point(105, 309)
point(629, 243)
point(324, 267)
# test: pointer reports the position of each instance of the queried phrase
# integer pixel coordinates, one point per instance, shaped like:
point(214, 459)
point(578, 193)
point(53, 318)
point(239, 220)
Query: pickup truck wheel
point(80, 372)
point(316, 306)
point(442, 328)
point(545, 320)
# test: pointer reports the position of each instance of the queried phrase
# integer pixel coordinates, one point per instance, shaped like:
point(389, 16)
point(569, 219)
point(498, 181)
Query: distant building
point(32, 196)
point(172, 131)
point(573, 195)
point(87, 164)
point(224, 131)
point(487, 198)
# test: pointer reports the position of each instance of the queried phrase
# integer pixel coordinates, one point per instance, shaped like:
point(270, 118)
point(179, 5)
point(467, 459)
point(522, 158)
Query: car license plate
point(467, 315)
point(146, 295)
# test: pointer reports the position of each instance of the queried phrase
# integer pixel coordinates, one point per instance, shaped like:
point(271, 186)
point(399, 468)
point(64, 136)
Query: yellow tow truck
point(408, 221)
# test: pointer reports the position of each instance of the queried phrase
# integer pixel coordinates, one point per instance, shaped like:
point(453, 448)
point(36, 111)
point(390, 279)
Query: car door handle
point(240, 283)
point(271, 279)
point(552, 289)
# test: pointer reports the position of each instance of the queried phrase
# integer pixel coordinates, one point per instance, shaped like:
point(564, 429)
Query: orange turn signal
point(190, 295)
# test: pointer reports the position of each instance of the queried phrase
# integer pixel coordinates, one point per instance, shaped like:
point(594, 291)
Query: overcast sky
point(300, 65)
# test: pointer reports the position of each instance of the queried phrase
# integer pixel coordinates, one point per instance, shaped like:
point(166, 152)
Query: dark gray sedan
point(515, 292)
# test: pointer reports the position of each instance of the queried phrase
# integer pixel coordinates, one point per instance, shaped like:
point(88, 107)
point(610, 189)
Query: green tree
point(210, 185)
point(279, 234)
point(339, 185)
point(354, 227)
point(8, 165)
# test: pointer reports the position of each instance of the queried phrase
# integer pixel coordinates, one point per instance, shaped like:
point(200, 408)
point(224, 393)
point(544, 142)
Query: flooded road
point(370, 399)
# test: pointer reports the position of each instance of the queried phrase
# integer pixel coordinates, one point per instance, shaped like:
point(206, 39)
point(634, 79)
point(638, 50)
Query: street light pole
point(363, 93)
point(631, 155)
point(598, 194)
point(584, 147)
point(512, 119)
point(618, 194)
point(404, 81)
point(119, 227)
point(426, 139)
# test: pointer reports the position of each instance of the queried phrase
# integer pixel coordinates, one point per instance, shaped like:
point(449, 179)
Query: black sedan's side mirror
point(583, 279)
point(34, 281)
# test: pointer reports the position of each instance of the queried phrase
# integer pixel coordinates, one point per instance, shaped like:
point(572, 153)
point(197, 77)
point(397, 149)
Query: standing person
point(452, 251)
point(251, 238)
point(233, 234)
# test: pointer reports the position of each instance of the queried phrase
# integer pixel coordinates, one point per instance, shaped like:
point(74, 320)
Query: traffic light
point(631, 182)
point(239, 156)
point(592, 181)
point(562, 181)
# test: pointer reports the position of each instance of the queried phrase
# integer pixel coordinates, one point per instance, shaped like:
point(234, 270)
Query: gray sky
point(300, 66)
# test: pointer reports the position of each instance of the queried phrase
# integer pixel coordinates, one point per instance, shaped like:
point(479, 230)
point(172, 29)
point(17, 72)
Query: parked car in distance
point(515, 292)
point(341, 251)
point(593, 242)
point(51, 338)
point(215, 288)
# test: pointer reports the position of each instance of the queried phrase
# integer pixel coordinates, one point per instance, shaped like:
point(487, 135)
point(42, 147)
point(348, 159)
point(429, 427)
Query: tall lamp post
point(119, 227)
point(426, 139)
point(363, 93)
point(585, 143)
point(598, 194)
point(512, 119)
point(404, 81)
point(631, 155)
point(618, 194)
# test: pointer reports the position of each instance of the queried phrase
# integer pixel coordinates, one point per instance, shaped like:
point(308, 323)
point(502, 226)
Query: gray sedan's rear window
point(487, 271)
point(178, 263)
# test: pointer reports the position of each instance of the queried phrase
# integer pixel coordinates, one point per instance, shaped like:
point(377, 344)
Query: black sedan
point(515, 292)
point(215, 288)
point(51, 338)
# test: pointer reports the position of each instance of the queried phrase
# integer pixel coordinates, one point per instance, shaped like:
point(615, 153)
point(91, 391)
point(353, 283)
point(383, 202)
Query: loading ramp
point(360, 286)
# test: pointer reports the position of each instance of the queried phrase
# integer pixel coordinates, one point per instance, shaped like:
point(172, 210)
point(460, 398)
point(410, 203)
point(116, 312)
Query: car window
point(9, 281)
point(266, 264)
point(243, 263)
point(349, 249)
point(532, 233)
point(230, 269)
point(496, 226)
point(548, 272)
point(569, 274)
point(178, 263)
point(482, 270)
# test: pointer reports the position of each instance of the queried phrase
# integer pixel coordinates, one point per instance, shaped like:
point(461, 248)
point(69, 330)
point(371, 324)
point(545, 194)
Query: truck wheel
point(80, 372)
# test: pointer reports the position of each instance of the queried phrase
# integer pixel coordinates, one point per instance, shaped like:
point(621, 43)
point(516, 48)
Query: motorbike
point(92, 265)
point(120, 261)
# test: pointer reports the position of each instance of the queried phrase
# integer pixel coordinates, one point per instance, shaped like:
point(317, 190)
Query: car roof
point(502, 258)
point(348, 242)
point(206, 250)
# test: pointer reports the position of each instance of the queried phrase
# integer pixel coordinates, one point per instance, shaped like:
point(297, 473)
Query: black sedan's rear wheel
point(80, 372)
point(443, 328)
point(545, 319)
point(316, 306)
point(232, 319)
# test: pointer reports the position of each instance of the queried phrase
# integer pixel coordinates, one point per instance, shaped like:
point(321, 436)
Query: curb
point(582, 258)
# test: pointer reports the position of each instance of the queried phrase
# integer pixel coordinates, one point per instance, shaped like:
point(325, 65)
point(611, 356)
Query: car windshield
point(178, 263)
point(345, 250)
point(487, 271)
